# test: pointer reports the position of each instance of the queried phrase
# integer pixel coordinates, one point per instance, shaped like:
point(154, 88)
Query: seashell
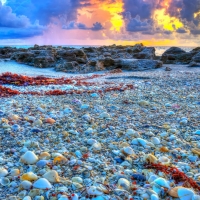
point(185, 193)
point(164, 149)
point(4, 181)
point(29, 158)
point(174, 191)
point(123, 184)
point(132, 133)
point(26, 185)
point(22, 194)
point(34, 192)
point(27, 198)
point(96, 146)
point(154, 197)
point(38, 122)
point(162, 183)
point(39, 198)
point(77, 179)
point(164, 160)
point(91, 141)
point(76, 186)
point(196, 151)
point(14, 117)
point(89, 131)
point(30, 176)
point(144, 103)
point(3, 172)
point(127, 151)
point(94, 191)
point(152, 178)
point(50, 121)
point(15, 172)
point(44, 155)
point(42, 183)
point(60, 160)
point(52, 176)
point(63, 197)
point(74, 196)
point(150, 158)
point(155, 140)
point(104, 115)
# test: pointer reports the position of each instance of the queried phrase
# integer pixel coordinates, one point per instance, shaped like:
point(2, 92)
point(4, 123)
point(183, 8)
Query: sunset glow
point(97, 21)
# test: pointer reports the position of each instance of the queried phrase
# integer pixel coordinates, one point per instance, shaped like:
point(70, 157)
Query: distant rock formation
point(91, 59)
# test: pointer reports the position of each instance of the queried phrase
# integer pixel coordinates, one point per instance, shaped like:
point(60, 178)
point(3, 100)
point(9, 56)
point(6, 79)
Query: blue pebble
point(193, 158)
point(42, 163)
point(15, 127)
point(119, 160)
point(36, 130)
point(197, 132)
point(139, 177)
point(94, 95)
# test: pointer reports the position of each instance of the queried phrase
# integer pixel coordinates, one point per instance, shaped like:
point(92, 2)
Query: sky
point(100, 22)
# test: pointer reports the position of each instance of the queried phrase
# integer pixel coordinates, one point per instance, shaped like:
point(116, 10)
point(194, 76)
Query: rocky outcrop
point(129, 64)
point(176, 55)
point(6, 52)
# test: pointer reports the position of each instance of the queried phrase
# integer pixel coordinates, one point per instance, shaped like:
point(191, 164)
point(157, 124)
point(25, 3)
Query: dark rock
point(174, 50)
point(176, 55)
point(137, 48)
point(194, 64)
point(129, 64)
point(146, 53)
point(43, 61)
point(168, 69)
point(196, 58)
point(67, 66)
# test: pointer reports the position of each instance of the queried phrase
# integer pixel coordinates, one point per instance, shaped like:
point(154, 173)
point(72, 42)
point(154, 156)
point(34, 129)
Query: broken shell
point(30, 176)
point(150, 158)
point(127, 151)
point(164, 160)
point(22, 194)
point(196, 151)
point(3, 172)
point(34, 192)
point(14, 172)
point(60, 160)
point(29, 158)
point(44, 155)
point(4, 181)
point(162, 183)
point(50, 121)
point(26, 185)
point(52, 176)
point(164, 149)
point(94, 191)
point(174, 192)
point(77, 179)
point(96, 146)
point(123, 184)
point(42, 183)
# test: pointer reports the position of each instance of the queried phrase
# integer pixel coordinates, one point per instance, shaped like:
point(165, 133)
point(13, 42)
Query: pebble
point(94, 147)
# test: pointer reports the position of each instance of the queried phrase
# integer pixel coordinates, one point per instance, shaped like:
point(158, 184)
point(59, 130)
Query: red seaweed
point(175, 173)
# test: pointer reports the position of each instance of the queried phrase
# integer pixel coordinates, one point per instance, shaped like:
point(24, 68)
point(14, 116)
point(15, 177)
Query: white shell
point(162, 183)
point(29, 158)
point(26, 185)
point(3, 172)
point(27, 198)
point(124, 184)
point(22, 194)
point(185, 194)
point(63, 197)
point(164, 160)
point(42, 183)
point(14, 172)
point(155, 140)
point(96, 146)
point(77, 179)
point(104, 115)
point(4, 181)
point(94, 191)
point(128, 150)
point(52, 176)
point(91, 141)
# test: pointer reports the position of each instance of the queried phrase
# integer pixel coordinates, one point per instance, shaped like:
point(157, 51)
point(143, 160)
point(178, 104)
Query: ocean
point(159, 49)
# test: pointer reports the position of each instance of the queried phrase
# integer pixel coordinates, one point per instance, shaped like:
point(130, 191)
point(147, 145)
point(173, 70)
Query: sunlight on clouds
point(115, 9)
point(169, 23)
point(196, 14)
